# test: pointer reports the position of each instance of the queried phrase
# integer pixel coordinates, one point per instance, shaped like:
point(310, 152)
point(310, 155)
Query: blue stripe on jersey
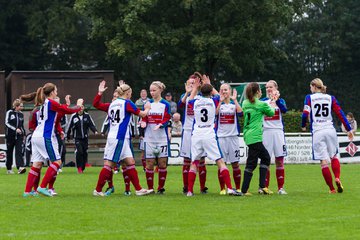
point(118, 150)
point(49, 149)
point(49, 123)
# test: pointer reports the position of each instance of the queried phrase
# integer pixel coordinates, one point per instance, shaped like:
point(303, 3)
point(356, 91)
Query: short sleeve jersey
point(204, 116)
point(227, 121)
point(159, 113)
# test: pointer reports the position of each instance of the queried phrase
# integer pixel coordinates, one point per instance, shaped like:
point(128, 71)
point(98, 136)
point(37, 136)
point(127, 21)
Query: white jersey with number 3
point(204, 116)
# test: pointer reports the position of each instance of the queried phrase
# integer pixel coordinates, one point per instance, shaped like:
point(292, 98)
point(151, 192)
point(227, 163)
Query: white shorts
point(325, 144)
point(44, 149)
point(154, 150)
point(230, 148)
point(202, 146)
point(117, 150)
point(185, 148)
point(274, 142)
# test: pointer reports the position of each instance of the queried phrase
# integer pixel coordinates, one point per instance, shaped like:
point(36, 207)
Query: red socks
point(280, 172)
point(133, 176)
point(162, 177)
point(185, 171)
point(191, 180)
point(224, 172)
point(221, 180)
point(237, 177)
point(150, 178)
point(335, 166)
point(267, 179)
point(33, 176)
point(327, 176)
point(50, 173)
point(126, 178)
point(202, 174)
point(104, 175)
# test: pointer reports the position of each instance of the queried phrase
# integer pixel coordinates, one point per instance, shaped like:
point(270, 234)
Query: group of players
point(210, 129)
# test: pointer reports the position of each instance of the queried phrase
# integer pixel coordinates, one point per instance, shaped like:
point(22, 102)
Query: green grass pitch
point(307, 212)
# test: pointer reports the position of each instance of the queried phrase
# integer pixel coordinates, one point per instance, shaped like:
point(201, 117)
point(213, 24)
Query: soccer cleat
point(22, 170)
point(60, 170)
point(185, 190)
point(332, 191)
point(160, 191)
point(340, 187)
point(282, 191)
point(44, 191)
point(52, 192)
point(98, 194)
point(80, 171)
point(10, 172)
point(127, 193)
point(190, 194)
point(109, 191)
point(248, 194)
point(204, 190)
point(26, 194)
point(265, 191)
point(34, 193)
point(143, 192)
point(233, 192)
point(223, 192)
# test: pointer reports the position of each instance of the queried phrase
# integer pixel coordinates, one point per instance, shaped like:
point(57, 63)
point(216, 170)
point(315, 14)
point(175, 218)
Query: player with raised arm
point(227, 130)
point(43, 142)
point(320, 107)
point(254, 111)
point(203, 138)
point(118, 144)
point(274, 135)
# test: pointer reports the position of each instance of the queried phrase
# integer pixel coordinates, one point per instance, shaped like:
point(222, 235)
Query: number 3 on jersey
point(204, 117)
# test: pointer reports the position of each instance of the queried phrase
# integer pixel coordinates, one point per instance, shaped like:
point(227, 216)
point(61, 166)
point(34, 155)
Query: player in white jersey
point(118, 144)
point(320, 107)
point(227, 130)
point(185, 148)
point(273, 134)
point(44, 144)
point(203, 139)
point(156, 140)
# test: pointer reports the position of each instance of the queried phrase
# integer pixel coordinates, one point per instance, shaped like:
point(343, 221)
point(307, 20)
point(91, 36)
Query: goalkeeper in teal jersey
point(254, 111)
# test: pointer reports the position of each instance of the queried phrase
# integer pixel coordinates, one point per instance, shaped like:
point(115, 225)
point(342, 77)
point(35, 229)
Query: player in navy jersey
point(43, 142)
point(203, 138)
point(274, 135)
point(118, 144)
point(227, 130)
point(156, 140)
point(320, 106)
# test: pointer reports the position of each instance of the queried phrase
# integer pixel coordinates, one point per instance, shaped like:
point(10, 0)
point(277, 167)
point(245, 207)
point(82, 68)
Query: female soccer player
point(273, 135)
point(203, 138)
point(156, 140)
point(227, 131)
point(320, 106)
point(254, 111)
point(44, 143)
point(187, 120)
point(118, 144)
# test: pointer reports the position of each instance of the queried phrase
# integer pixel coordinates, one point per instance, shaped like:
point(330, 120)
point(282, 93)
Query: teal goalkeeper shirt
point(254, 114)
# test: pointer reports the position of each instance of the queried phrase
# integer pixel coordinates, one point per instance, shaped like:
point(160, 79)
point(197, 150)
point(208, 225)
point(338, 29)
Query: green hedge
point(292, 121)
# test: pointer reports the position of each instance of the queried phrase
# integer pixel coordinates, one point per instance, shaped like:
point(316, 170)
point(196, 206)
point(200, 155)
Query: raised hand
point(102, 87)
point(206, 79)
point(80, 102)
point(67, 100)
point(234, 95)
point(147, 105)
